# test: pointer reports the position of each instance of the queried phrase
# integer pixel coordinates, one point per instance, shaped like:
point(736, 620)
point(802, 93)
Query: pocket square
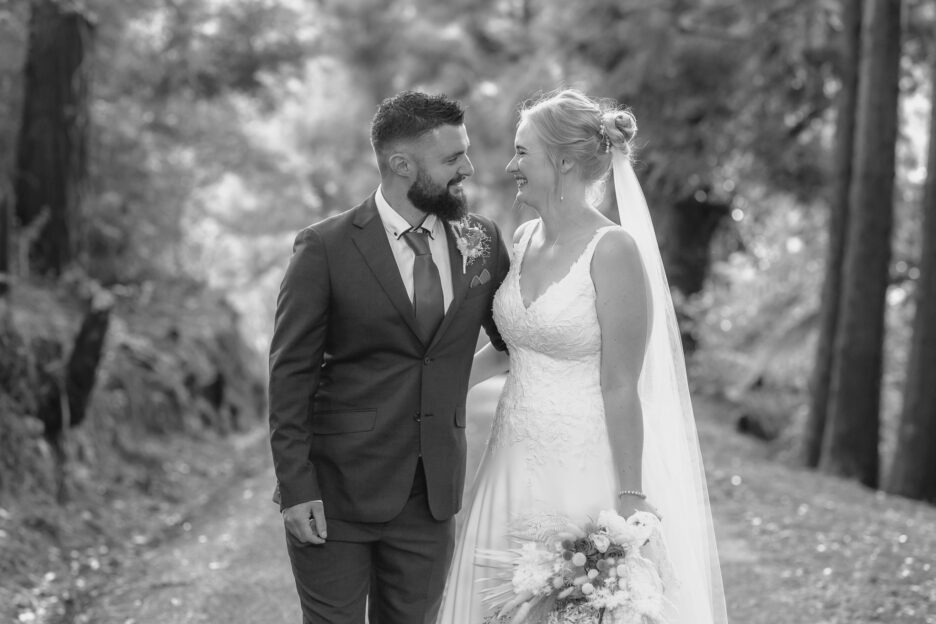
point(481, 278)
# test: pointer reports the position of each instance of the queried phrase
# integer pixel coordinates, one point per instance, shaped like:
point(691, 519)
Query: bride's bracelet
point(636, 493)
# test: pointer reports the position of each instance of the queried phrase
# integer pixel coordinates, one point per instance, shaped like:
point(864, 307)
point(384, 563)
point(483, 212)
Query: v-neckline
point(551, 285)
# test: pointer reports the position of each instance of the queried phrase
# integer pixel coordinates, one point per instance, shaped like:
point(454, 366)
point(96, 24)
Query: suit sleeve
point(500, 264)
point(296, 352)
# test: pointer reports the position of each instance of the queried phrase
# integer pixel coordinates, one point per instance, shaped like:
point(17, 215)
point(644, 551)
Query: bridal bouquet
point(567, 574)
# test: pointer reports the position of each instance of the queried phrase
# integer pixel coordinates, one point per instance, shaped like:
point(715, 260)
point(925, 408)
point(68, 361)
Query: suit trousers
point(396, 570)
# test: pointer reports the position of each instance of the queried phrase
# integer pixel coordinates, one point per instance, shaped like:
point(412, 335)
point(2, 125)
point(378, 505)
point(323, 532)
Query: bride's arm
point(622, 303)
point(488, 362)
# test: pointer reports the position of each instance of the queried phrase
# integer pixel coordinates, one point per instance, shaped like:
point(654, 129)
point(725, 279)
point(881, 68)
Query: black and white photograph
point(467, 312)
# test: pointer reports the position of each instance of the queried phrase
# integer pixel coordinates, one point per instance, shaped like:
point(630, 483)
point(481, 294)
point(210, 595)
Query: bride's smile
point(531, 169)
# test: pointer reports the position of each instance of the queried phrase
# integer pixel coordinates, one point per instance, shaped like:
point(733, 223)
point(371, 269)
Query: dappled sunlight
point(140, 268)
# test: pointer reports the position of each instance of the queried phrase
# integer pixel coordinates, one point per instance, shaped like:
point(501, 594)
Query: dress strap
point(589, 251)
point(520, 247)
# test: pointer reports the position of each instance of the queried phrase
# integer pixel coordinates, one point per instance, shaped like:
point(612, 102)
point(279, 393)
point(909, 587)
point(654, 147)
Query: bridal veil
point(673, 475)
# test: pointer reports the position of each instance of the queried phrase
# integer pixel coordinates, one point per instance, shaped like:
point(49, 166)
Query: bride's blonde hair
point(582, 129)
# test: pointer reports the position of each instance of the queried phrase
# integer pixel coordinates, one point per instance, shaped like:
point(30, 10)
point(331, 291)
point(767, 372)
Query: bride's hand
point(628, 504)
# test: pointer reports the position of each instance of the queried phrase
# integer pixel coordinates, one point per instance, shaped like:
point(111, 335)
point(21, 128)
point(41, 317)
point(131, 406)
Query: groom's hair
point(407, 116)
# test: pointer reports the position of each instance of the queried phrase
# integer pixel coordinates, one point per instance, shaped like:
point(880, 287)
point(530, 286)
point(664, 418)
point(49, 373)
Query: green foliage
point(171, 111)
point(756, 318)
point(174, 363)
point(224, 127)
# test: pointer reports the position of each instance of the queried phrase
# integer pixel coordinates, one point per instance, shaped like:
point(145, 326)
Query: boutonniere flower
point(471, 240)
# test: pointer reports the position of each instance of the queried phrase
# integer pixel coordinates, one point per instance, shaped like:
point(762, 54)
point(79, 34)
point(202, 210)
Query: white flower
point(607, 598)
point(533, 571)
point(618, 529)
point(642, 524)
point(631, 532)
point(601, 541)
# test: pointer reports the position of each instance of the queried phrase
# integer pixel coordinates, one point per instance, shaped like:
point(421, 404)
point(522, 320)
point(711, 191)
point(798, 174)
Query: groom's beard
point(446, 202)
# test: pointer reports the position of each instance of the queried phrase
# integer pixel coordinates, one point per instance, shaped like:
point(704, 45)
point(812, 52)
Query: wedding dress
point(549, 450)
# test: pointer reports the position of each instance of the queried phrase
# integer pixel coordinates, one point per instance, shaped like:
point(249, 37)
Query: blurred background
point(157, 158)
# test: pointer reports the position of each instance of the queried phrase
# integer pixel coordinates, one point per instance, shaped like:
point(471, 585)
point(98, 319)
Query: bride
point(595, 412)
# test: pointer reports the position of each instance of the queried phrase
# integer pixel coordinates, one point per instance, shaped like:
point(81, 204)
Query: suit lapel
point(459, 285)
point(370, 237)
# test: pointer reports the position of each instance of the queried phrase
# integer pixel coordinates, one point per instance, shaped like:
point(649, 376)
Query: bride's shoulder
point(616, 249)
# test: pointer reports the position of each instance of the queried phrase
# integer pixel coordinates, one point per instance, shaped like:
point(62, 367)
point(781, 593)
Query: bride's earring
point(561, 170)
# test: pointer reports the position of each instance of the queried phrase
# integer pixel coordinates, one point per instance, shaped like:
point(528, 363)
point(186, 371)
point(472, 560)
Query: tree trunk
point(850, 48)
point(5, 238)
point(914, 466)
point(850, 447)
point(526, 12)
point(65, 407)
point(687, 229)
point(52, 151)
point(65, 404)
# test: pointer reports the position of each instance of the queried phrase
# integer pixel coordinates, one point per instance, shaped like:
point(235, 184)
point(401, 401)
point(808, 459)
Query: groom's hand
point(306, 521)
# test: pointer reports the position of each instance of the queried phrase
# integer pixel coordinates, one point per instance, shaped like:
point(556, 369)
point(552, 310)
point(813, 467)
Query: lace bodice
point(552, 399)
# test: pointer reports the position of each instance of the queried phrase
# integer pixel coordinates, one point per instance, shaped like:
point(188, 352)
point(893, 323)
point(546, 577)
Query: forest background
point(199, 136)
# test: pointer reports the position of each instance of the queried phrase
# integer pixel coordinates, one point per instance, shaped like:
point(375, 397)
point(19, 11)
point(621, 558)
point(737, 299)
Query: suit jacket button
point(427, 361)
point(417, 417)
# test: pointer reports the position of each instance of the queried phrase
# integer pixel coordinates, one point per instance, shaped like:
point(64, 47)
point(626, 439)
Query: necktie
point(427, 287)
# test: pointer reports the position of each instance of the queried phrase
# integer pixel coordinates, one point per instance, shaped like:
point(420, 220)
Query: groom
point(376, 323)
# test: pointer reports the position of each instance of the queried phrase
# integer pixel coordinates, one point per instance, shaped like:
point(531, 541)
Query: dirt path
point(795, 547)
point(229, 566)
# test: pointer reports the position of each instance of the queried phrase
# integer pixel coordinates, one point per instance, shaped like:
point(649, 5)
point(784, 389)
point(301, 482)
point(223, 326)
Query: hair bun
point(620, 126)
point(627, 124)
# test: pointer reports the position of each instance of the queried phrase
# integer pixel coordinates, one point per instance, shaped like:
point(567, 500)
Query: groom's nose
point(466, 169)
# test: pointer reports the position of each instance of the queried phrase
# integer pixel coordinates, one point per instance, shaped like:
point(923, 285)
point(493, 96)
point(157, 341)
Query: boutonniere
point(471, 240)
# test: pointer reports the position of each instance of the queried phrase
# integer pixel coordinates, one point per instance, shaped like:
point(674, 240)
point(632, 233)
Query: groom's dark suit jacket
point(355, 395)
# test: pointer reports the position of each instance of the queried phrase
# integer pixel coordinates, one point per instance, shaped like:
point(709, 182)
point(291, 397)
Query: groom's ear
point(401, 164)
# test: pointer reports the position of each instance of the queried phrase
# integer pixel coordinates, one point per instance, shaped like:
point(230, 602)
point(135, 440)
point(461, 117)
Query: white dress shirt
point(404, 255)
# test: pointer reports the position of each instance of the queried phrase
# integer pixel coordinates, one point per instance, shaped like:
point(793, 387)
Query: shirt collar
point(395, 224)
